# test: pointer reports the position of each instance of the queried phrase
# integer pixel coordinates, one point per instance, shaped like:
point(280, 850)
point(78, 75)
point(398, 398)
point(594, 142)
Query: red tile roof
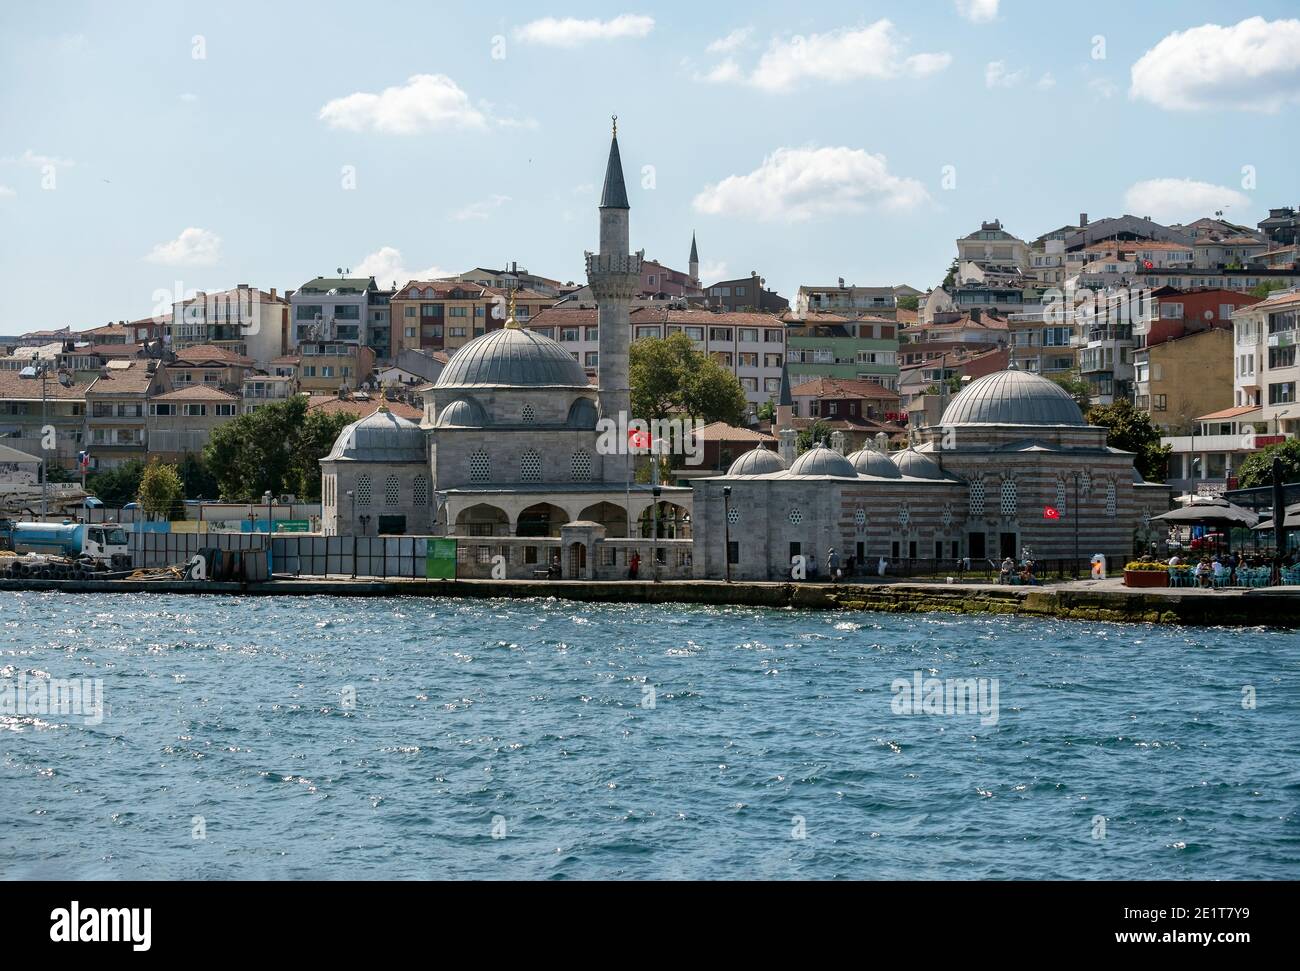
point(197, 392)
point(823, 387)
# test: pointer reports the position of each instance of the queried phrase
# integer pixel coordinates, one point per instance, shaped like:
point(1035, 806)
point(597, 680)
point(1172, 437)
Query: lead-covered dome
point(872, 461)
point(462, 413)
point(512, 357)
point(917, 465)
point(381, 437)
point(1012, 398)
point(820, 460)
point(757, 461)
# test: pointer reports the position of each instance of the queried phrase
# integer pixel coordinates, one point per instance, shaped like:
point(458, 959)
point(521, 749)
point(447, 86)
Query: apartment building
point(1041, 342)
point(1182, 378)
point(265, 389)
point(1282, 227)
point(1206, 460)
point(432, 316)
point(511, 277)
point(209, 365)
point(245, 321)
point(328, 367)
point(181, 421)
point(29, 403)
point(828, 345)
point(998, 256)
point(1267, 370)
point(117, 407)
point(847, 301)
point(343, 310)
point(745, 294)
point(749, 345)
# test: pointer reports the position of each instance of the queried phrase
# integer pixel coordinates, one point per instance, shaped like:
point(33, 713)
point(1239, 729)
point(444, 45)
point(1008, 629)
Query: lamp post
point(654, 537)
point(726, 531)
point(352, 528)
point(266, 498)
point(43, 369)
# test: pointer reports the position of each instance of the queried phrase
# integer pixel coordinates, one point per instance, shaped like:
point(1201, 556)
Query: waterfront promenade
point(1098, 600)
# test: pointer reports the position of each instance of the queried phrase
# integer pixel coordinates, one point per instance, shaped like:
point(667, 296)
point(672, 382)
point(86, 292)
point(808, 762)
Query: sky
point(152, 149)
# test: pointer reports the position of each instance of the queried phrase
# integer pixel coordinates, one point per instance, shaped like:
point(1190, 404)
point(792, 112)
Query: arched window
point(363, 489)
point(392, 492)
point(977, 497)
point(580, 467)
point(530, 466)
point(420, 490)
point(479, 468)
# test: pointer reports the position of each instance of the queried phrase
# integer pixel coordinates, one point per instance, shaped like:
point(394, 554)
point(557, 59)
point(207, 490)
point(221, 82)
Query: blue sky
point(808, 145)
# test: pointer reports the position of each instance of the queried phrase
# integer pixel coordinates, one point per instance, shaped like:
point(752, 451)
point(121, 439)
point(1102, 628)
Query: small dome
point(381, 437)
point(462, 413)
point(512, 357)
point(583, 414)
point(1012, 398)
point(820, 460)
point(758, 461)
point(916, 465)
point(872, 461)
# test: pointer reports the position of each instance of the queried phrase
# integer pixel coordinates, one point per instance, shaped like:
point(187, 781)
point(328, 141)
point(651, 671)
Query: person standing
point(633, 565)
point(833, 565)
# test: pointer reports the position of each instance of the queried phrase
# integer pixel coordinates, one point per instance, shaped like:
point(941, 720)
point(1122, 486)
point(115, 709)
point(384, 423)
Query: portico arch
point(612, 517)
point(674, 521)
point(541, 519)
point(482, 519)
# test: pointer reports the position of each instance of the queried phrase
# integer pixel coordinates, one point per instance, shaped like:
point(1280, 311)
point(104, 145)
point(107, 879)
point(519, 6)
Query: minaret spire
point(694, 268)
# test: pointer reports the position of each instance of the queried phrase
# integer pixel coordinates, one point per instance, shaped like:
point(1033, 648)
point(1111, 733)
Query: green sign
point(440, 559)
point(293, 526)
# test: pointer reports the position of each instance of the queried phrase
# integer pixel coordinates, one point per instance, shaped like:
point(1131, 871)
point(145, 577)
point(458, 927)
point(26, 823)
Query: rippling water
point(521, 739)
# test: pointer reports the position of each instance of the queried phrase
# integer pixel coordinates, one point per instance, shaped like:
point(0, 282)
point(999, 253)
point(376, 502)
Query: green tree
point(161, 490)
point(950, 278)
point(670, 377)
point(909, 303)
point(1257, 470)
point(116, 486)
point(818, 431)
point(1078, 389)
point(199, 482)
point(1265, 287)
point(767, 411)
point(1131, 431)
point(275, 449)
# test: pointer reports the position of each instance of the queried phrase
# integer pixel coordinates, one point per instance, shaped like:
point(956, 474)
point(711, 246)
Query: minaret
point(615, 278)
point(786, 436)
point(694, 267)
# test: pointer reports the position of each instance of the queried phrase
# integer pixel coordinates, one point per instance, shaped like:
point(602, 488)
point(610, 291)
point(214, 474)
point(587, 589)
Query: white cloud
point(1252, 66)
point(387, 266)
point(733, 42)
point(1180, 200)
point(722, 73)
point(978, 11)
point(39, 161)
point(426, 102)
point(1047, 81)
point(838, 56)
point(193, 247)
point(996, 75)
point(711, 271)
point(1103, 87)
point(6, 192)
point(796, 184)
point(481, 209)
point(570, 32)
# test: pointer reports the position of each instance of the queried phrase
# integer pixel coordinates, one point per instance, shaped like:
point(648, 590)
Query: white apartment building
point(244, 320)
point(1267, 370)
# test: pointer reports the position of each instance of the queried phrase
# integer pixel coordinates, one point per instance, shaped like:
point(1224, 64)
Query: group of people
point(835, 567)
point(1214, 570)
point(1023, 573)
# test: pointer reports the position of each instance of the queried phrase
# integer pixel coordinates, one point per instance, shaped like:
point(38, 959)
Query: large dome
point(1012, 398)
point(917, 465)
point(512, 357)
point(381, 437)
point(820, 460)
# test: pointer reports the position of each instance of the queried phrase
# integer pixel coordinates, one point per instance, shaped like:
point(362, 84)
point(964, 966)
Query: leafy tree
point(1257, 470)
point(57, 473)
point(818, 431)
point(909, 302)
point(275, 449)
point(767, 411)
point(1131, 431)
point(161, 490)
point(1078, 389)
point(950, 278)
point(1265, 287)
point(199, 482)
point(116, 486)
point(669, 376)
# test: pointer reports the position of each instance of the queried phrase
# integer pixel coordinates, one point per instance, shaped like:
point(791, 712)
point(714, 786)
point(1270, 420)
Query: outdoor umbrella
point(1292, 520)
point(1218, 512)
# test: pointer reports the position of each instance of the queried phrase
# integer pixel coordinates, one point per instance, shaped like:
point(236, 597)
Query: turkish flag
point(1051, 512)
point(638, 439)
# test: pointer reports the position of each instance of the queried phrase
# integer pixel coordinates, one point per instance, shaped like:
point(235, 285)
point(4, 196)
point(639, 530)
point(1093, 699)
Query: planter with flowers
point(1143, 573)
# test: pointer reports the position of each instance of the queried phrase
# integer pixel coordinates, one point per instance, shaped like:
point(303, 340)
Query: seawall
point(1094, 601)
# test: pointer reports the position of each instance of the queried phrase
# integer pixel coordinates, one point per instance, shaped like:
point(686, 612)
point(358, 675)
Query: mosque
point(506, 459)
point(1011, 466)
point(508, 443)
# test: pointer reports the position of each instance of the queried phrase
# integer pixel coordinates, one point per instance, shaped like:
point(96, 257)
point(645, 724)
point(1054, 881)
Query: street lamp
point(352, 528)
point(266, 498)
point(726, 530)
point(654, 537)
point(43, 369)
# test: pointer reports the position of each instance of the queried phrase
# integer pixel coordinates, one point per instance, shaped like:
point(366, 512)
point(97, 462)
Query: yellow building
point(444, 316)
point(1178, 380)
